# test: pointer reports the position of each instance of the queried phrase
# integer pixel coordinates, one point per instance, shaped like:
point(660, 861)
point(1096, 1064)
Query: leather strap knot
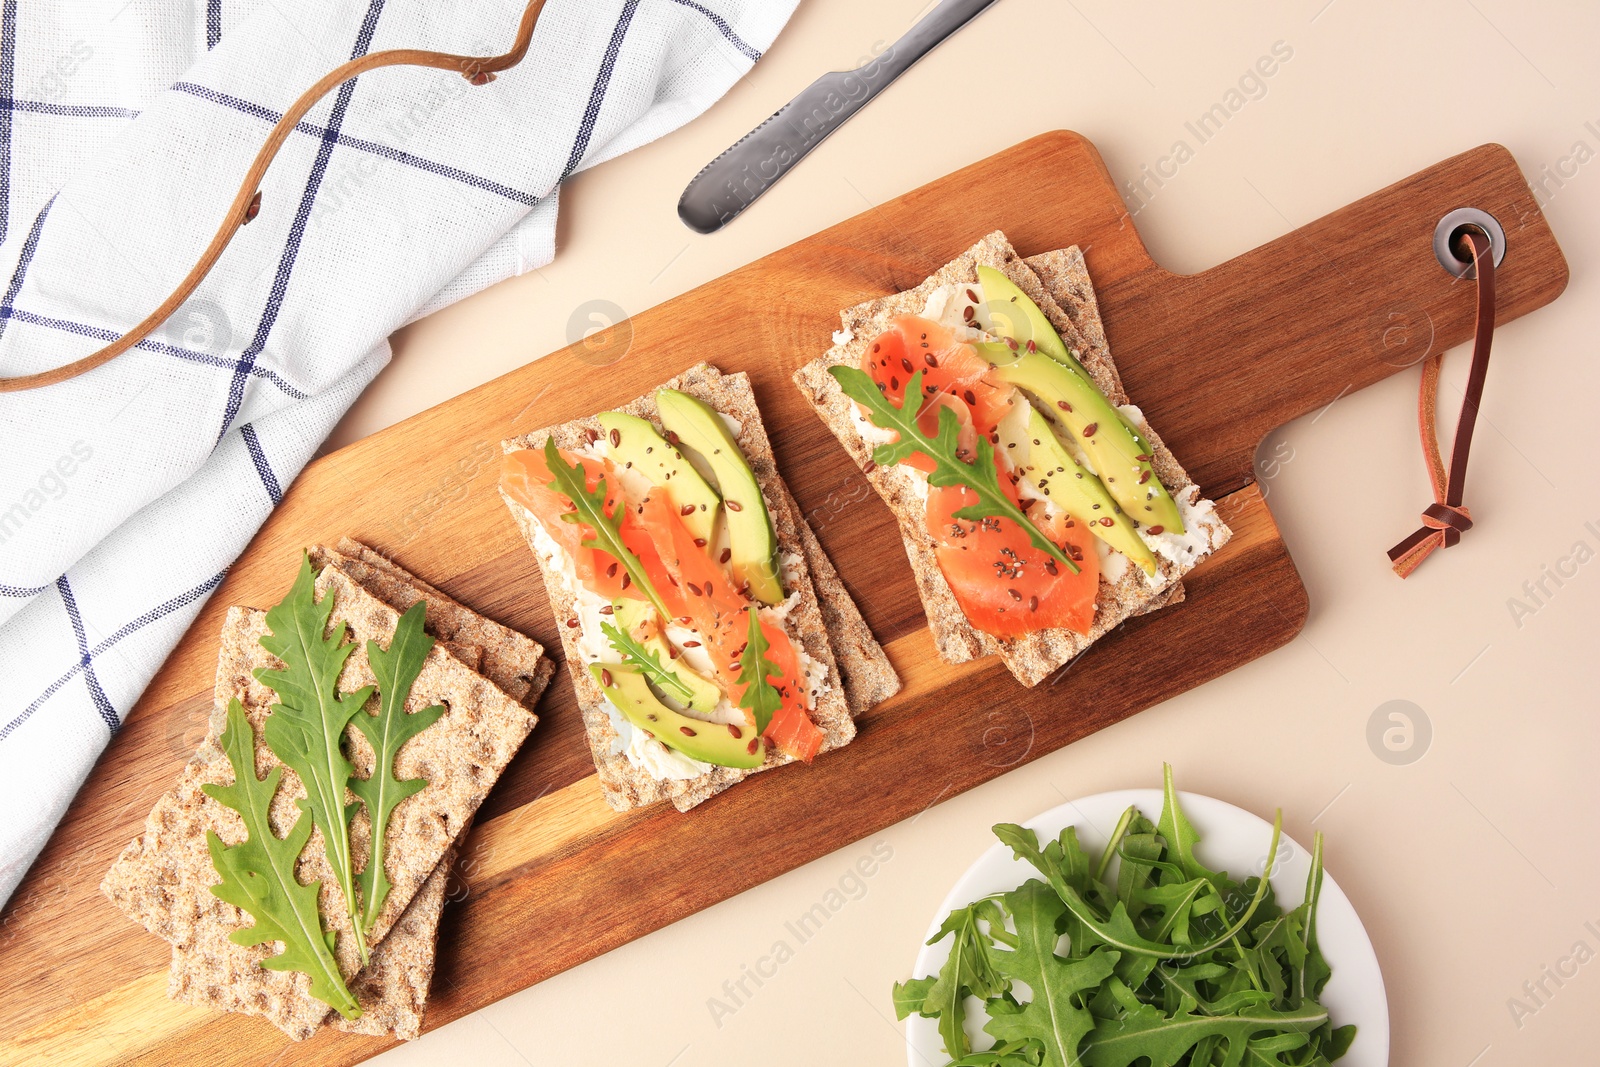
point(1446, 519)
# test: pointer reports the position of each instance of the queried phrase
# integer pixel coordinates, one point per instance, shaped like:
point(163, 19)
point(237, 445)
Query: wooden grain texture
point(1216, 360)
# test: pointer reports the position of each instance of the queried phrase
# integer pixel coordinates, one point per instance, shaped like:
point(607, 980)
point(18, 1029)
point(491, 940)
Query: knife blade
point(735, 179)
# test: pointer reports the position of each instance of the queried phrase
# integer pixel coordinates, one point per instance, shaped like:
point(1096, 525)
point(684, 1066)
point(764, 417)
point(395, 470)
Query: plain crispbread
point(511, 660)
point(1057, 282)
point(162, 879)
point(870, 677)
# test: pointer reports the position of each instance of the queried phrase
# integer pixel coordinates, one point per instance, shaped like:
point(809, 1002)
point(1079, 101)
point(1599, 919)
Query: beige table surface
point(1474, 866)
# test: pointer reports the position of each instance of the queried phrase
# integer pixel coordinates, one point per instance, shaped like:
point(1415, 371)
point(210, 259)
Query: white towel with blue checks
point(125, 128)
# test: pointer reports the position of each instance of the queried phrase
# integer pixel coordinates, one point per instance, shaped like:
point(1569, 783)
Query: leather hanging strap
point(1446, 519)
point(478, 70)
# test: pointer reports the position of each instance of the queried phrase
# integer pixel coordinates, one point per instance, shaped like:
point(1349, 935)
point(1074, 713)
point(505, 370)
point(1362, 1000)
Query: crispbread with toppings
point(870, 677)
point(1059, 283)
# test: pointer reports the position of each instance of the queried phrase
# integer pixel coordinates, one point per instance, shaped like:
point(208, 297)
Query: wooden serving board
point(1216, 360)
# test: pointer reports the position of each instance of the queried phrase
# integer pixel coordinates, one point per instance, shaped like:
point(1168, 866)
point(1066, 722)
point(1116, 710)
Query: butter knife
point(732, 182)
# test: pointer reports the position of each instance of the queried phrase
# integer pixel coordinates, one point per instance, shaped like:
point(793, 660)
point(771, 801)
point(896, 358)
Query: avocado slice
point(635, 442)
point(752, 543)
point(1013, 314)
point(1049, 467)
point(709, 742)
point(1050, 373)
point(634, 617)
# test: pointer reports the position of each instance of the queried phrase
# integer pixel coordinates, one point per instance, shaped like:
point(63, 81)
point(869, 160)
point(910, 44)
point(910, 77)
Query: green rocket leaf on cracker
point(395, 668)
point(258, 874)
point(570, 481)
point(760, 696)
point(305, 729)
point(980, 477)
point(648, 661)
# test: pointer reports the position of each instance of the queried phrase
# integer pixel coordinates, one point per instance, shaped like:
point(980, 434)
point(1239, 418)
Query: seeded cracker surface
point(1057, 282)
point(867, 669)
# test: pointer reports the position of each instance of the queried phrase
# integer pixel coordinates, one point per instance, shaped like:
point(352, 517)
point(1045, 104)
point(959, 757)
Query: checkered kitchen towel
point(125, 128)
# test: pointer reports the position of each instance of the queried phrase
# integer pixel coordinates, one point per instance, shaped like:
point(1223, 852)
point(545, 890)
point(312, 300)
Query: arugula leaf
point(1276, 954)
point(760, 697)
point(1266, 1051)
point(1312, 973)
point(1057, 1015)
point(571, 482)
point(981, 477)
point(1180, 836)
point(1139, 854)
point(258, 874)
point(306, 727)
point(968, 970)
point(910, 997)
point(1116, 839)
point(1162, 1040)
point(1340, 1040)
point(1062, 861)
point(1181, 990)
point(1008, 1054)
point(648, 661)
point(1074, 860)
point(1177, 901)
point(395, 668)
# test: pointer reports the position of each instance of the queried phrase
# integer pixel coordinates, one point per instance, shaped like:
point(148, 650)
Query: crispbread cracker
point(511, 660)
point(623, 785)
point(162, 879)
point(869, 679)
point(392, 988)
point(1031, 657)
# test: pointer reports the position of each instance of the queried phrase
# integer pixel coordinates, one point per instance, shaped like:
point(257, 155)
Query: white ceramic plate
point(1231, 839)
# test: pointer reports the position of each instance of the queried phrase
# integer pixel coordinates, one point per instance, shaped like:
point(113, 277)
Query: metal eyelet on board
point(1450, 227)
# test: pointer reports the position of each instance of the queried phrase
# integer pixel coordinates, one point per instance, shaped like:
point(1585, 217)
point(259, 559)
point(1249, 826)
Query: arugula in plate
point(970, 971)
point(258, 874)
point(981, 477)
point(571, 482)
point(1170, 965)
point(1056, 1017)
point(395, 668)
point(305, 729)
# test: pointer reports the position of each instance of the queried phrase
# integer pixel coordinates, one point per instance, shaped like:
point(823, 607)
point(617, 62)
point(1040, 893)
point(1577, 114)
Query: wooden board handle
point(1289, 327)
